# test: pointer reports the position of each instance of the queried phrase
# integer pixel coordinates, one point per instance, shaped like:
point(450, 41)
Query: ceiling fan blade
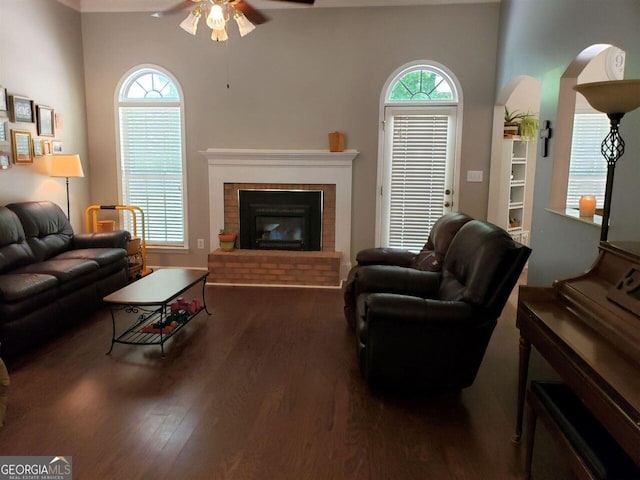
point(308, 2)
point(179, 7)
point(253, 15)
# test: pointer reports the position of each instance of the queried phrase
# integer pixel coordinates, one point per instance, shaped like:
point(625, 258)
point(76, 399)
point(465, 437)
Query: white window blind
point(151, 170)
point(418, 177)
point(588, 168)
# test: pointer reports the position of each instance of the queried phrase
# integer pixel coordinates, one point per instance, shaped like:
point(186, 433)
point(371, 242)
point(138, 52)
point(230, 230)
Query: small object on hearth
point(336, 142)
point(227, 240)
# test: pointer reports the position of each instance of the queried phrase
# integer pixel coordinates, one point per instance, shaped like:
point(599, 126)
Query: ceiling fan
point(217, 13)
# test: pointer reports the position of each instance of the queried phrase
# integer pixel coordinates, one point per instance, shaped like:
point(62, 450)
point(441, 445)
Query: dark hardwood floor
point(266, 388)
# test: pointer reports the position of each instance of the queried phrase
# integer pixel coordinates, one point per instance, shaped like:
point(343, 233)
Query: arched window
point(151, 153)
point(417, 162)
point(422, 84)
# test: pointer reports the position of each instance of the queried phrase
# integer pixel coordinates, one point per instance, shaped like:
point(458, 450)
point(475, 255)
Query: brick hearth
point(275, 267)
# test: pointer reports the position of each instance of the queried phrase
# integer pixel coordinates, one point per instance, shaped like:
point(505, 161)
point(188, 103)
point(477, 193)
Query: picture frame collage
point(21, 143)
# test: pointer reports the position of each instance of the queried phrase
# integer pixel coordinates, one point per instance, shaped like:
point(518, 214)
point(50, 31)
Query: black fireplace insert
point(280, 219)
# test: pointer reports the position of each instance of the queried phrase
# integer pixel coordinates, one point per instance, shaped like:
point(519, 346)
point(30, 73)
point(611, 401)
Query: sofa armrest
point(385, 256)
point(404, 309)
point(116, 239)
point(399, 280)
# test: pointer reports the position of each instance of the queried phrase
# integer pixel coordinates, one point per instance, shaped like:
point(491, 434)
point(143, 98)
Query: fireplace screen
point(280, 219)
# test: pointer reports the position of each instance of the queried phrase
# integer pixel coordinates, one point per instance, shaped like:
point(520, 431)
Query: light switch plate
point(474, 175)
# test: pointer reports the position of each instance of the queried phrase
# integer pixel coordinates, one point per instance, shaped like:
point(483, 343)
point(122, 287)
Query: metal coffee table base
point(149, 298)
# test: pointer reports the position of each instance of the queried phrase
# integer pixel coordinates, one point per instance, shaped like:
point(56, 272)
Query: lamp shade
point(190, 24)
point(615, 96)
point(244, 25)
point(66, 166)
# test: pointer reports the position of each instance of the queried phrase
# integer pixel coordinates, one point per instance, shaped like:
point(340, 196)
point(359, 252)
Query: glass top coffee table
point(154, 299)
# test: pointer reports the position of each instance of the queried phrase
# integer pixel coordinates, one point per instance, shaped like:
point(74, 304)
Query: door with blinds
point(418, 172)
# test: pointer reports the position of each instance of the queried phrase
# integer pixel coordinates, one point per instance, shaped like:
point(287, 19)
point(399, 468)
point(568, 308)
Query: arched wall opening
point(587, 66)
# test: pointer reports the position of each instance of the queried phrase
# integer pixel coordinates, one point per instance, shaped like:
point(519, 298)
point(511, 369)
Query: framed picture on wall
point(5, 160)
point(21, 147)
point(20, 109)
point(44, 116)
point(46, 147)
point(38, 151)
point(3, 99)
point(3, 131)
point(56, 147)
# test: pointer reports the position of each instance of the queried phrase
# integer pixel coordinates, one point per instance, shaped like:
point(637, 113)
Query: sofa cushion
point(104, 256)
point(64, 270)
point(115, 239)
point(18, 286)
point(14, 250)
point(46, 228)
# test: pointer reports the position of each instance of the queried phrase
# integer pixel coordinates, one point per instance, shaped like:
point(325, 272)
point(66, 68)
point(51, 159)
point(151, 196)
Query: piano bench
point(592, 451)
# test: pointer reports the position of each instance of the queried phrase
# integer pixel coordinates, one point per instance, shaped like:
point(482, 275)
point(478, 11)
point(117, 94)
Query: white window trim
point(166, 103)
point(381, 229)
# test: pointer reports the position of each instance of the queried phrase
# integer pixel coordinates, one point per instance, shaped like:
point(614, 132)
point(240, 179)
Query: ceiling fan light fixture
point(215, 19)
point(190, 24)
point(244, 25)
point(219, 35)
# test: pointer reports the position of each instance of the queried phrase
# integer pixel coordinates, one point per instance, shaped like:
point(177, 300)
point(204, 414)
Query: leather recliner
point(431, 329)
point(430, 257)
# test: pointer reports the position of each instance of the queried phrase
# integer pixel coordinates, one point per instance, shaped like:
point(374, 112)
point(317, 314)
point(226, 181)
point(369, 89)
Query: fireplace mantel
point(284, 166)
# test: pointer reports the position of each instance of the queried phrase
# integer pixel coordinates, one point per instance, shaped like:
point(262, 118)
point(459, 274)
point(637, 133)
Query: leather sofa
point(431, 329)
point(51, 278)
point(429, 259)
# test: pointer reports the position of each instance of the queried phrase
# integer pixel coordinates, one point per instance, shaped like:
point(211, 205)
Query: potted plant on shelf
point(227, 240)
point(524, 124)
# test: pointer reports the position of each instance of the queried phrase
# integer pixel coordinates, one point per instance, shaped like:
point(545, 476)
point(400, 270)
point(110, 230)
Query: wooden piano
point(588, 329)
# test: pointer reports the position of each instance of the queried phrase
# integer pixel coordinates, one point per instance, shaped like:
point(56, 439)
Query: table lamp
point(615, 98)
point(66, 166)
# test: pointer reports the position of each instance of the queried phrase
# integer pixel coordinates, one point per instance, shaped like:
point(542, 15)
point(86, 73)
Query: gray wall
point(540, 38)
point(305, 73)
point(41, 58)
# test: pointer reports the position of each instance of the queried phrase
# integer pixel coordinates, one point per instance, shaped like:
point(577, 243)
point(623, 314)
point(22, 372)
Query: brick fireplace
point(231, 170)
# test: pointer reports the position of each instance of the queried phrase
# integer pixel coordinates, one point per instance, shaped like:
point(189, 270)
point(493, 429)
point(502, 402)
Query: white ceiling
point(158, 5)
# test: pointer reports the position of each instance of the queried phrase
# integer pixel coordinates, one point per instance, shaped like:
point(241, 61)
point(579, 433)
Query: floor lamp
point(66, 166)
point(615, 98)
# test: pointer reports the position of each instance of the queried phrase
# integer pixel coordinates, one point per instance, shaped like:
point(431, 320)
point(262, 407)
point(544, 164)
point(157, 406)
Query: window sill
point(165, 250)
point(573, 214)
